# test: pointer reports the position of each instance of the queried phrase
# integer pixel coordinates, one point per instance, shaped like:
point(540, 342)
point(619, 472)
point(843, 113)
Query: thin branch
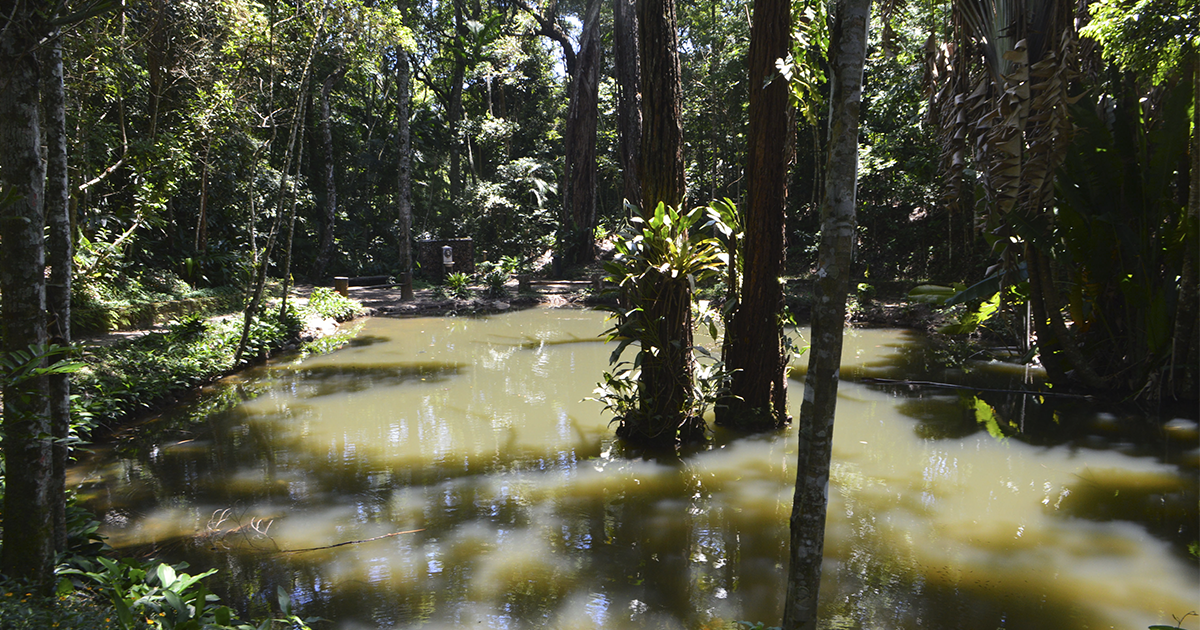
point(1022, 392)
point(352, 542)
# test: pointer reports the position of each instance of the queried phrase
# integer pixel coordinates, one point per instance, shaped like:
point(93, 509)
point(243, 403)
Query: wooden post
point(523, 283)
point(341, 284)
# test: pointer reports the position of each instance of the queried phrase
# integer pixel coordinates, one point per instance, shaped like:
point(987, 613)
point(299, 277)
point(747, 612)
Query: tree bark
point(201, 243)
point(1187, 314)
point(58, 280)
point(758, 393)
point(579, 144)
point(454, 113)
point(329, 215)
point(666, 379)
point(28, 552)
point(404, 174)
point(847, 50)
point(629, 97)
point(662, 164)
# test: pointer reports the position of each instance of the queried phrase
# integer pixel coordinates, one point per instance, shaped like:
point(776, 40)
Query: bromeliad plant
point(659, 261)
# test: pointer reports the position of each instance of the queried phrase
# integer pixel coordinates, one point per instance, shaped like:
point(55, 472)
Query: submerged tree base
point(636, 433)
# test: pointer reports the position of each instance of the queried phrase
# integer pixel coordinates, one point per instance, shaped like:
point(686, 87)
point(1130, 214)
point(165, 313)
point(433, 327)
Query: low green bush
point(162, 596)
point(458, 284)
point(329, 303)
point(23, 609)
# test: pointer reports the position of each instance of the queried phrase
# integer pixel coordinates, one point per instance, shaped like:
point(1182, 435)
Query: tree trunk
point(454, 114)
point(629, 100)
point(28, 552)
point(665, 387)
point(1187, 314)
point(662, 115)
point(847, 50)
point(58, 281)
point(404, 174)
point(579, 145)
point(329, 216)
point(758, 393)
point(260, 277)
point(666, 379)
point(201, 243)
point(291, 232)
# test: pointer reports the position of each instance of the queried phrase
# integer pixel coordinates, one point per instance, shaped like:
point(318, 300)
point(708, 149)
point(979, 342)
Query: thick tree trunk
point(758, 393)
point(662, 118)
point(579, 144)
point(629, 97)
point(404, 174)
point(847, 50)
point(28, 552)
point(329, 214)
point(666, 379)
point(58, 280)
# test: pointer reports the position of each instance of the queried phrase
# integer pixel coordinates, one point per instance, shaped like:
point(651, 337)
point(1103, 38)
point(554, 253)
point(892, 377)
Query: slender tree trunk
point(579, 145)
point(847, 51)
point(758, 393)
point(201, 243)
point(404, 174)
point(59, 260)
point(28, 549)
point(629, 99)
point(662, 115)
point(329, 216)
point(260, 278)
point(291, 232)
point(455, 108)
point(1187, 315)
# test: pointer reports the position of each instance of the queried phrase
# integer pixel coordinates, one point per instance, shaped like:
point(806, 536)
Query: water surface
point(488, 493)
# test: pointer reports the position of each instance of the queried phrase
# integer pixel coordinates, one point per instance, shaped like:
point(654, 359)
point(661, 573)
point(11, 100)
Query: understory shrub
point(326, 302)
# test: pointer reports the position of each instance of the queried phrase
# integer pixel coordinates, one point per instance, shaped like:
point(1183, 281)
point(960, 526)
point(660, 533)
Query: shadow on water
point(327, 380)
point(362, 341)
point(524, 512)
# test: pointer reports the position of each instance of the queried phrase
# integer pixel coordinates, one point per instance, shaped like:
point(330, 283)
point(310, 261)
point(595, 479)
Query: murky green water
point(472, 435)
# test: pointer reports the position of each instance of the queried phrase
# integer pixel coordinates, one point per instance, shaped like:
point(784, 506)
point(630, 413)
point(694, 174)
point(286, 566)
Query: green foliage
point(123, 301)
point(163, 596)
point(659, 261)
point(1150, 38)
point(974, 318)
point(36, 361)
point(932, 293)
point(459, 285)
point(496, 277)
point(803, 68)
point(23, 609)
point(328, 303)
point(1120, 234)
point(126, 377)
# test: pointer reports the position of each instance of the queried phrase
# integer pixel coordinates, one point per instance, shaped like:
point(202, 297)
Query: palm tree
point(1004, 107)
